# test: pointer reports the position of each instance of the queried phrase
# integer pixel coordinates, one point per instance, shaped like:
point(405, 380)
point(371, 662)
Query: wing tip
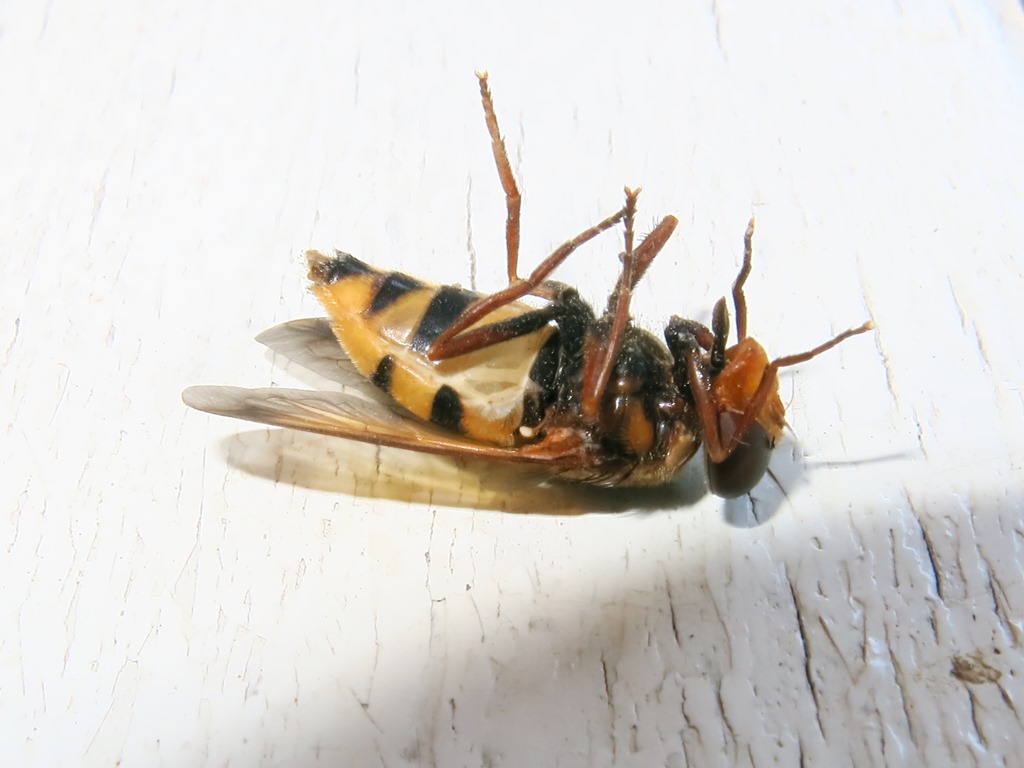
point(201, 397)
point(190, 396)
point(319, 327)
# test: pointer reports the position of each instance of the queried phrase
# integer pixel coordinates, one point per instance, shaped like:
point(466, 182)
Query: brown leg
point(495, 333)
point(628, 257)
point(599, 360)
point(443, 346)
point(707, 409)
point(513, 200)
point(651, 246)
point(803, 357)
point(627, 234)
point(599, 353)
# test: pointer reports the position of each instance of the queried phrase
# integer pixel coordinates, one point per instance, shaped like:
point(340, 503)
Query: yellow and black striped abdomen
point(386, 321)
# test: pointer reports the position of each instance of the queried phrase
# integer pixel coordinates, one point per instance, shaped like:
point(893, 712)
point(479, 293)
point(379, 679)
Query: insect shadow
point(323, 463)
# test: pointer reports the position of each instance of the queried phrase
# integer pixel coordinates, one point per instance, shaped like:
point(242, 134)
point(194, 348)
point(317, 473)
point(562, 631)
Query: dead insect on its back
point(585, 396)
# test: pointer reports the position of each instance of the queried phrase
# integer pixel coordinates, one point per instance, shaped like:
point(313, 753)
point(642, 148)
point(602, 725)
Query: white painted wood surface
point(184, 590)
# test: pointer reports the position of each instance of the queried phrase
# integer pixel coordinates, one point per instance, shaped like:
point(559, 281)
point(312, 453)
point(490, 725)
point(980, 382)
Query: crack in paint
point(806, 648)
point(929, 548)
point(672, 611)
point(899, 678)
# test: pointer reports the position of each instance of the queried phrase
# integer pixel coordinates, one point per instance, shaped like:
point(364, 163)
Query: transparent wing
point(311, 343)
point(341, 414)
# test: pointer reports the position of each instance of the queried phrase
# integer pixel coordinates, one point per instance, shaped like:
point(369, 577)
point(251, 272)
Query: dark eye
point(744, 469)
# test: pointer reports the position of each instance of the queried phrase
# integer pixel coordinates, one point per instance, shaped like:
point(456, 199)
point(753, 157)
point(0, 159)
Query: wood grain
point(183, 590)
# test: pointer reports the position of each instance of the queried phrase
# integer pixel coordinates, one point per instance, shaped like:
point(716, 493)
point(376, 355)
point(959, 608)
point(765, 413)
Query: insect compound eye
point(745, 467)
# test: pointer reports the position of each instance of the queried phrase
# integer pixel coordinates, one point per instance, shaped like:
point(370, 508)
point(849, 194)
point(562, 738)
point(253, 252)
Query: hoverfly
point(584, 396)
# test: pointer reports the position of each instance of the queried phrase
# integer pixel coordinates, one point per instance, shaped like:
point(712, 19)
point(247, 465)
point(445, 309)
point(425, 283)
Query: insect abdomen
point(386, 321)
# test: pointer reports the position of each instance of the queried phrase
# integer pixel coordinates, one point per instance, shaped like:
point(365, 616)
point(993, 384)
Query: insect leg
point(650, 247)
point(479, 309)
point(707, 410)
point(803, 357)
point(715, 340)
point(504, 330)
point(625, 283)
point(700, 385)
point(513, 199)
point(601, 353)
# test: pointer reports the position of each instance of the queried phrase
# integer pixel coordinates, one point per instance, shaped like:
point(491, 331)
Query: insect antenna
point(719, 450)
point(706, 407)
point(739, 300)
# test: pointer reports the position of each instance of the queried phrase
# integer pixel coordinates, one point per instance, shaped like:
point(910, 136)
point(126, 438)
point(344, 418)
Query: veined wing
point(311, 343)
point(340, 414)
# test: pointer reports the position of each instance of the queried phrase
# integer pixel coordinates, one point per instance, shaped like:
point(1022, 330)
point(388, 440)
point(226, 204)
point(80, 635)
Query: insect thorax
point(644, 430)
